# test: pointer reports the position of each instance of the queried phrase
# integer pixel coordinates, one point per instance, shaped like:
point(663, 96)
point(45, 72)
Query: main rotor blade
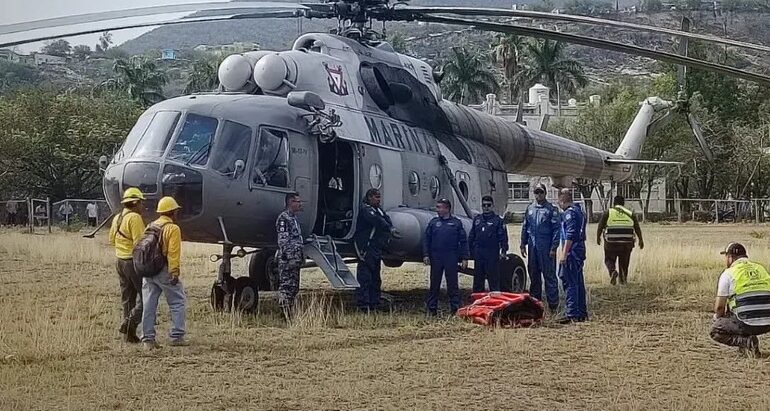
point(601, 44)
point(74, 32)
point(698, 131)
point(138, 12)
point(492, 12)
point(681, 71)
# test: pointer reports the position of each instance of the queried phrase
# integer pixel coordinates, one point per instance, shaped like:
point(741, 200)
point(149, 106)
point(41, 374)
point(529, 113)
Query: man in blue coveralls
point(540, 239)
point(445, 246)
point(488, 242)
point(573, 238)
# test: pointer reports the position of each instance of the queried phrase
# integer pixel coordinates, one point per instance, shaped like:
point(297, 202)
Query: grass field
point(646, 346)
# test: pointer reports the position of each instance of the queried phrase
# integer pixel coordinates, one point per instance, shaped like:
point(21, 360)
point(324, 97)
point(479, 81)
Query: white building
point(520, 194)
point(41, 58)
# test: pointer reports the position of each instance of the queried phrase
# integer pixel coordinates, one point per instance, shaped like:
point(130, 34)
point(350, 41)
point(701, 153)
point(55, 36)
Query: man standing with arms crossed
point(539, 241)
point(620, 224)
point(373, 230)
point(126, 230)
point(290, 255)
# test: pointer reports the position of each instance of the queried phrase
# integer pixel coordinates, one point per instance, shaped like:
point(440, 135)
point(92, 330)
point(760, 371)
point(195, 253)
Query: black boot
point(131, 336)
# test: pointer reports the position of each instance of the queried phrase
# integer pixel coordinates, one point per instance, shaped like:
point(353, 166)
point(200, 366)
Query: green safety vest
point(751, 299)
point(620, 226)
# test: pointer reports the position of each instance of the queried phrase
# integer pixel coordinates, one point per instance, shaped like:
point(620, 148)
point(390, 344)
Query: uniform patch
point(282, 226)
point(438, 224)
point(567, 216)
point(477, 222)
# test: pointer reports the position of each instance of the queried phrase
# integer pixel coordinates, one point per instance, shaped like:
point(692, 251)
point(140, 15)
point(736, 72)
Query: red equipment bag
point(504, 309)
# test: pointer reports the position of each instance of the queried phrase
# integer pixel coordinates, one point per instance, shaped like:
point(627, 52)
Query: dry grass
point(647, 345)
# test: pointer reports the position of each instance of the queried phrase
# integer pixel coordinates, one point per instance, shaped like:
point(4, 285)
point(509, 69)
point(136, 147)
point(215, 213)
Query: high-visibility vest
point(751, 299)
point(620, 226)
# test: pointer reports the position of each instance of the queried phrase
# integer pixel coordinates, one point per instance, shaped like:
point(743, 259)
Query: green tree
point(52, 140)
point(15, 75)
point(507, 51)
point(587, 7)
point(81, 52)
point(140, 79)
point(467, 76)
point(204, 74)
point(546, 63)
point(105, 41)
point(59, 48)
point(398, 41)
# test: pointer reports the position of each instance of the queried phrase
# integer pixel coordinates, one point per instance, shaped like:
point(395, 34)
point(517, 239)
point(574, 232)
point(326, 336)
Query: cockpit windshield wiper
point(199, 153)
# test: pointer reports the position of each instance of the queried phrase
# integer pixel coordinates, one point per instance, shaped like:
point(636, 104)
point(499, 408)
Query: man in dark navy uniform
point(573, 256)
point(373, 231)
point(445, 246)
point(488, 241)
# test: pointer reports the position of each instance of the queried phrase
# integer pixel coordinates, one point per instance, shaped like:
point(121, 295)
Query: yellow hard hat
point(167, 205)
point(132, 194)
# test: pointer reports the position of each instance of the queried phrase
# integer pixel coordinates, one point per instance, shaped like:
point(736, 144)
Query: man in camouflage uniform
point(289, 254)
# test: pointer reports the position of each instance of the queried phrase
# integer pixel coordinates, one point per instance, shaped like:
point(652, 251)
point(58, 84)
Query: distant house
point(10, 55)
point(168, 54)
point(236, 47)
point(42, 58)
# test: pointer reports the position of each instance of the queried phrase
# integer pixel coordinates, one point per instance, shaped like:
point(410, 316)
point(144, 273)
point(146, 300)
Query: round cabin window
point(435, 187)
point(375, 176)
point(414, 183)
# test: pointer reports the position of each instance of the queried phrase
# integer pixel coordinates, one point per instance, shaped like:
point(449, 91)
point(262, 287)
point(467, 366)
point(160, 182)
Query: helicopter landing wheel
point(245, 297)
point(513, 274)
point(263, 269)
point(217, 298)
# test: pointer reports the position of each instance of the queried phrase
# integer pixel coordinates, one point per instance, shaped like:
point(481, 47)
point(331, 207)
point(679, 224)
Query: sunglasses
point(486, 205)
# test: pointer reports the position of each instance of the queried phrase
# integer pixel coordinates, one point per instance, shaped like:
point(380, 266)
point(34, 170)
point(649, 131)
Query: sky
point(15, 11)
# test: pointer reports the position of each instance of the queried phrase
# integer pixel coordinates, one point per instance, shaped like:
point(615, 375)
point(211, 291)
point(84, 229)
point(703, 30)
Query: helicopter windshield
point(232, 145)
point(157, 135)
point(194, 141)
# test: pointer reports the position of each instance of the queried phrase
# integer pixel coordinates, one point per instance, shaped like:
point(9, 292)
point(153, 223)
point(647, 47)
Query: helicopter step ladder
point(323, 251)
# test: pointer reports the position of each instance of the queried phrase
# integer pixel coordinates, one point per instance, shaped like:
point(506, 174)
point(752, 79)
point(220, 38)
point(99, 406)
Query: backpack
point(148, 252)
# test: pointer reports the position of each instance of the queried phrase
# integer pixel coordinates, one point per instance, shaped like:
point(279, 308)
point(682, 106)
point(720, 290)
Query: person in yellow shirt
point(126, 230)
point(167, 281)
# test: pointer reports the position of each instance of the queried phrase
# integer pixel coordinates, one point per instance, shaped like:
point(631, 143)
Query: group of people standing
point(447, 248)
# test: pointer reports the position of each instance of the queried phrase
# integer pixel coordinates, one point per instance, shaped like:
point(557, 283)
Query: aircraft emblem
point(336, 79)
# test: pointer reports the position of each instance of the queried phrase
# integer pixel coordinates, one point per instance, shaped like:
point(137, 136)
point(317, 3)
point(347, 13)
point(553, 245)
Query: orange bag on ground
point(505, 309)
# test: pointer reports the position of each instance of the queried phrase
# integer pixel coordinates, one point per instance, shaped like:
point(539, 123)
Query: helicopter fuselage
point(233, 156)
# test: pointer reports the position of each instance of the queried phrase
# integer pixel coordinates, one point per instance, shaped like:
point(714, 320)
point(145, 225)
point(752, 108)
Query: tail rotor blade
point(699, 138)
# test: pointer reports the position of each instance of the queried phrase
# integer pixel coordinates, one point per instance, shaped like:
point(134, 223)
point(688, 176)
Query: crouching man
point(743, 296)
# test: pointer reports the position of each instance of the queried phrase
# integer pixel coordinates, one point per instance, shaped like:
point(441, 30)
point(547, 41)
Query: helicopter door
point(336, 189)
point(282, 164)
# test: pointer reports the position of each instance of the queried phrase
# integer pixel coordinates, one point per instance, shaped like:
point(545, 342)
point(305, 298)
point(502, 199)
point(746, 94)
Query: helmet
point(167, 205)
point(132, 194)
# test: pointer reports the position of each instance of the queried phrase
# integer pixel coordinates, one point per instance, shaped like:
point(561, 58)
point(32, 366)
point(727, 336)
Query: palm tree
point(508, 52)
point(140, 78)
point(546, 64)
point(467, 76)
point(204, 75)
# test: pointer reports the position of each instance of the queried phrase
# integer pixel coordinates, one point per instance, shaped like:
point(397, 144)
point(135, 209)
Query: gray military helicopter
point(338, 114)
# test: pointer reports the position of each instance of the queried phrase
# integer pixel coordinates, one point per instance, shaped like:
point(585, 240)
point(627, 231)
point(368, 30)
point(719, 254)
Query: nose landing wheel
point(230, 294)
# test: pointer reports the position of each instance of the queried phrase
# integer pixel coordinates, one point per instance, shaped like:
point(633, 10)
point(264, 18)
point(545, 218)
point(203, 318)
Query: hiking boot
point(150, 345)
point(130, 334)
point(623, 278)
point(432, 313)
point(614, 277)
point(571, 320)
point(179, 342)
point(123, 327)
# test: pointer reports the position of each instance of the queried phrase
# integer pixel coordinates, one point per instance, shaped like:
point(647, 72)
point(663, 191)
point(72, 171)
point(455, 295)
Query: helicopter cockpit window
point(194, 142)
point(272, 165)
point(133, 137)
point(232, 145)
point(157, 135)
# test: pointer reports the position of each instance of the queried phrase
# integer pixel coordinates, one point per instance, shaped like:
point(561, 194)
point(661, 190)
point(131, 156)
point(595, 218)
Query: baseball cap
point(540, 187)
point(736, 249)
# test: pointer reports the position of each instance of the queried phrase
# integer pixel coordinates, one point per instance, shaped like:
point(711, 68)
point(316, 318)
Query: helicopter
point(335, 115)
